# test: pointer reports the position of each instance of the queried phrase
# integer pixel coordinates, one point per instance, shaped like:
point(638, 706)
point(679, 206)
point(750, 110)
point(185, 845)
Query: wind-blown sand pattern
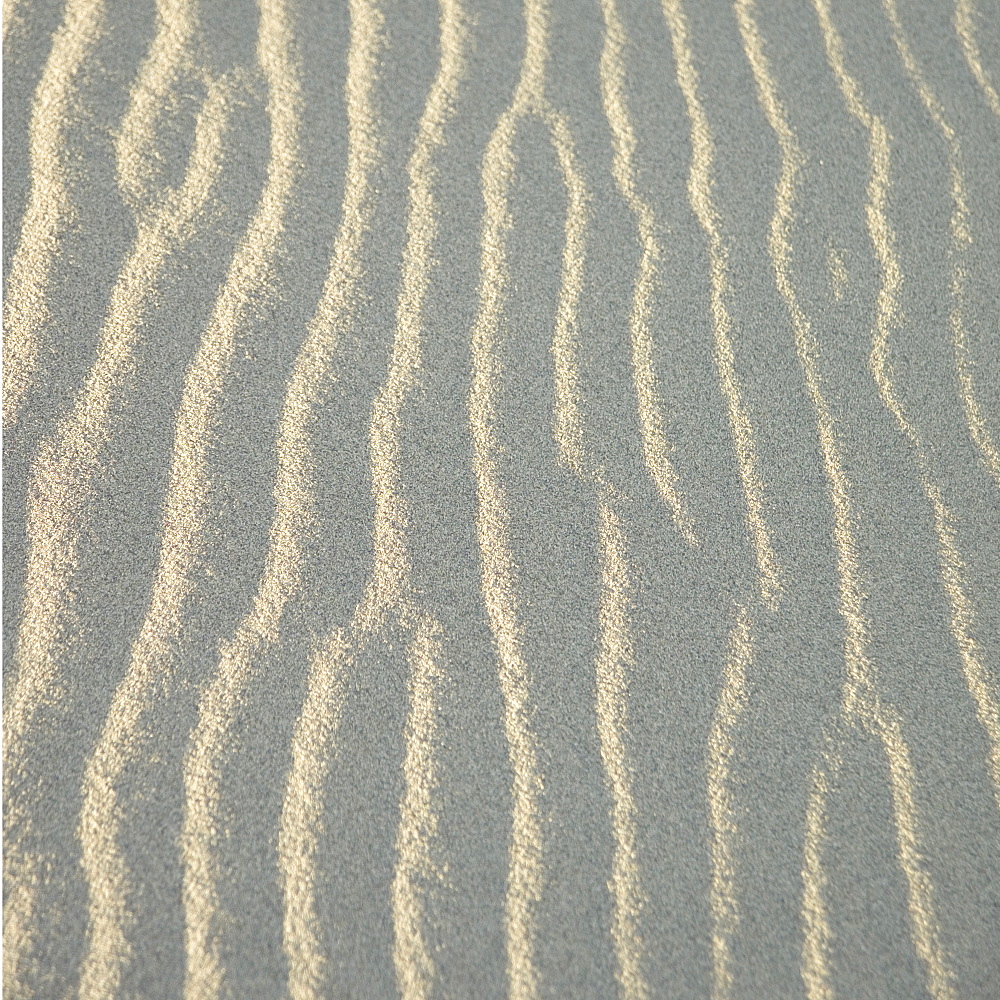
point(391, 586)
point(861, 692)
point(389, 598)
point(655, 445)
point(70, 459)
point(699, 187)
point(700, 184)
point(966, 16)
point(615, 655)
point(154, 654)
point(888, 320)
point(723, 896)
point(51, 208)
point(499, 574)
point(301, 818)
point(11, 16)
point(205, 971)
point(961, 241)
point(981, 687)
point(545, 592)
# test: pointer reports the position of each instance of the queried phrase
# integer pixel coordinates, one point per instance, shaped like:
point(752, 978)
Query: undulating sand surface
point(501, 500)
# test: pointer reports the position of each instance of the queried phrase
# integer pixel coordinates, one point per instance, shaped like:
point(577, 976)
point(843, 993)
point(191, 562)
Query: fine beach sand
point(501, 499)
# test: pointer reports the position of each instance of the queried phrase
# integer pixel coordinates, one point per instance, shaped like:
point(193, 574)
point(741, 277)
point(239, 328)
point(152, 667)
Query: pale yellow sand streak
point(656, 447)
point(70, 457)
point(416, 870)
point(567, 426)
point(62, 479)
point(302, 819)
point(980, 684)
point(174, 58)
point(13, 16)
point(153, 659)
point(498, 573)
point(839, 278)
point(183, 549)
point(389, 597)
point(700, 184)
point(961, 241)
point(312, 741)
point(863, 705)
point(391, 586)
point(861, 690)
point(817, 934)
point(889, 319)
point(294, 519)
point(51, 211)
point(723, 900)
point(615, 651)
point(615, 655)
point(965, 25)
point(722, 813)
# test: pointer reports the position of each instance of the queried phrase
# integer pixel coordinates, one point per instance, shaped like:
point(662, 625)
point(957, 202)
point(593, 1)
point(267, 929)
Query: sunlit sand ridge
point(953, 573)
point(63, 474)
point(389, 601)
point(724, 903)
point(615, 656)
point(961, 243)
point(79, 916)
point(294, 517)
point(966, 15)
point(189, 493)
point(862, 697)
point(52, 207)
point(391, 590)
point(817, 935)
point(889, 320)
point(656, 447)
point(952, 566)
point(12, 13)
point(154, 654)
point(615, 650)
point(700, 194)
point(723, 811)
point(295, 520)
point(176, 56)
point(498, 572)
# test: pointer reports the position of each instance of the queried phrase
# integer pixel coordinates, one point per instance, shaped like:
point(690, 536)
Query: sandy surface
point(492, 513)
